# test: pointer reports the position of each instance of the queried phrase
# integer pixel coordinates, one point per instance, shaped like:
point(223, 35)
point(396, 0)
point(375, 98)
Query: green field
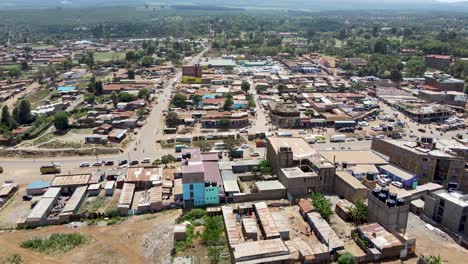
point(108, 56)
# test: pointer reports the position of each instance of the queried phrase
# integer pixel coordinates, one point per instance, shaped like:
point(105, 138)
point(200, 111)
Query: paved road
point(144, 146)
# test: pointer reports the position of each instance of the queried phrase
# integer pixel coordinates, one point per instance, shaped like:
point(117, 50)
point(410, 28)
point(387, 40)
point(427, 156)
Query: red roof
point(440, 57)
point(213, 101)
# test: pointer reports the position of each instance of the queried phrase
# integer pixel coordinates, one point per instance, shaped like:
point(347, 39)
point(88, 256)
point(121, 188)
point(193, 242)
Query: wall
point(198, 193)
point(394, 217)
point(212, 195)
point(344, 189)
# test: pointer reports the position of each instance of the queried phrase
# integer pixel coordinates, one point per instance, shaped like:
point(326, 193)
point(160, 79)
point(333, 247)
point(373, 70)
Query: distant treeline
point(206, 8)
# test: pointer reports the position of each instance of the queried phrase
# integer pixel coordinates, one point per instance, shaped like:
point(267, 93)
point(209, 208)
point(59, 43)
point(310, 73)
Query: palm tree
point(430, 259)
point(358, 212)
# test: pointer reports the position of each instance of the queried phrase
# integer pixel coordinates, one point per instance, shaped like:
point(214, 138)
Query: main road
point(144, 146)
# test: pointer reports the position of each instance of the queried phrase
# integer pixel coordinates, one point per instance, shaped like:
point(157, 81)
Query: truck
point(310, 139)
point(338, 138)
point(49, 169)
point(319, 138)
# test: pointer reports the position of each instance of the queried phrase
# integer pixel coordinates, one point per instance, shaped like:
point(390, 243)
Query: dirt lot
point(140, 239)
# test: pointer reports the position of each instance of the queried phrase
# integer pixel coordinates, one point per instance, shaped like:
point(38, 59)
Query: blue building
point(201, 178)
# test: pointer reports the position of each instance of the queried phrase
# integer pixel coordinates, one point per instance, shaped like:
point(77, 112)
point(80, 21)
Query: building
point(443, 82)
point(267, 223)
point(394, 173)
point(37, 187)
point(126, 198)
point(324, 232)
point(382, 243)
point(427, 162)
point(448, 209)
point(73, 204)
point(288, 152)
point(387, 209)
point(261, 251)
point(192, 70)
point(444, 97)
point(40, 212)
point(69, 183)
point(424, 113)
point(348, 187)
point(144, 177)
point(299, 181)
point(201, 178)
point(439, 62)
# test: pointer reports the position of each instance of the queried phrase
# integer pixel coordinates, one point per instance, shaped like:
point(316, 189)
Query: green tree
point(147, 61)
point(61, 120)
point(196, 99)
point(14, 72)
point(179, 100)
point(144, 93)
point(92, 86)
point(322, 205)
point(5, 115)
point(99, 88)
point(395, 75)
point(213, 230)
point(280, 87)
point(265, 167)
point(245, 86)
point(130, 56)
point(24, 112)
point(166, 159)
point(228, 104)
point(415, 67)
point(24, 65)
point(358, 212)
point(90, 98)
point(126, 97)
point(172, 119)
point(431, 259)
point(115, 99)
point(346, 258)
point(131, 74)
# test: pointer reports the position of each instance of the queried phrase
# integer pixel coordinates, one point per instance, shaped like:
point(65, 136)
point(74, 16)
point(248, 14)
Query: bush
point(193, 215)
point(322, 205)
point(346, 258)
point(55, 243)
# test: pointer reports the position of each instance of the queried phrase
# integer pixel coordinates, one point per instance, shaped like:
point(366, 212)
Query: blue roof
point(38, 184)
point(66, 88)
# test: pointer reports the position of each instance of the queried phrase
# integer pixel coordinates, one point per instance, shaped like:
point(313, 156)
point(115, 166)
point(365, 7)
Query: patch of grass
point(180, 246)
point(14, 259)
point(92, 206)
point(44, 138)
point(109, 56)
point(189, 79)
point(54, 244)
point(193, 215)
point(56, 144)
point(38, 97)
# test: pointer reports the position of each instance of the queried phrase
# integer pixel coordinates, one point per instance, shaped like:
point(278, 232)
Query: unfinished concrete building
point(387, 209)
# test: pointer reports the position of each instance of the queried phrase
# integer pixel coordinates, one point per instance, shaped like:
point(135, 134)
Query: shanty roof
point(261, 251)
point(230, 224)
point(266, 220)
point(379, 236)
point(70, 180)
point(144, 174)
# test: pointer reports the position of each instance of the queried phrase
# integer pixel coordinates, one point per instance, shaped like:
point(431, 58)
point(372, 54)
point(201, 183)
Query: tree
point(24, 65)
point(61, 120)
point(228, 104)
point(196, 99)
point(166, 159)
point(14, 72)
point(179, 100)
point(5, 115)
point(346, 258)
point(395, 75)
point(130, 56)
point(92, 85)
point(280, 87)
point(141, 112)
point(322, 205)
point(147, 61)
point(358, 212)
point(172, 119)
point(265, 167)
point(245, 86)
point(144, 93)
point(99, 88)
point(90, 98)
point(224, 123)
point(211, 236)
point(115, 99)
point(131, 74)
point(415, 67)
point(24, 112)
point(126, 97)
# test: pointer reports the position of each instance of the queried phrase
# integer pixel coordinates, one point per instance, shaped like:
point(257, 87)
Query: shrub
point(193, 215)
point(346, 258)
point(55, 243)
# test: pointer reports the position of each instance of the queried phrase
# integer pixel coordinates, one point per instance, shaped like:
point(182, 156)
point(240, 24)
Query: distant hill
point(252, 4)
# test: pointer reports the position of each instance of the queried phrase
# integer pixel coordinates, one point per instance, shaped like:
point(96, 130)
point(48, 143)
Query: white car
point(146, 160)
point(376, 128)
point(382, 183)
point(351, 139)
point(397, 184)
point(301, 132)
point(84, 164)
point(244, 146)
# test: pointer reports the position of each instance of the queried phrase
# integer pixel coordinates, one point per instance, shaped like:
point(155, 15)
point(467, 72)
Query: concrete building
point(424, 113)
point(386, 209)
point(201, 178)
point(448, 209)
point(192, 70)
point(288, 152)
point(445, 97)
point(428, 163)
point(299, 181)
point(443, 82)
point(324, 232)
point(394, 173)
point(382, 243)
point(348, 187)
point(439, 62)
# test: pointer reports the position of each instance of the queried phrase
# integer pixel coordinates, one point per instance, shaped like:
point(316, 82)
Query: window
point(191, 187)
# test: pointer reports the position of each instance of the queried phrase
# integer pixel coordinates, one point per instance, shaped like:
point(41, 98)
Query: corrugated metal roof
point(266, 221)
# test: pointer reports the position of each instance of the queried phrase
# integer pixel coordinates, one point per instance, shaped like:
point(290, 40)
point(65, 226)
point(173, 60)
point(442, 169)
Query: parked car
point(109, 163)
point(27, 197)
point(381, 183)
point(397, 184)
point(97, 164)
point(123, 162)
point(146, 160)
point(244, 146)
point(422, 130)
point(134, 162)
point(84, 164)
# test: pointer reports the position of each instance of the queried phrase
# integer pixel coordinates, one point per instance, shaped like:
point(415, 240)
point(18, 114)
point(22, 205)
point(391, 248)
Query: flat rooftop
point(269, 185)
point(348, 178)
point(296, 172)
point(398, 172)
point(456, 198)
point(262, 251)
point(353, 157)
point(70, 180)
point(144, 174)
point(300, 148)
